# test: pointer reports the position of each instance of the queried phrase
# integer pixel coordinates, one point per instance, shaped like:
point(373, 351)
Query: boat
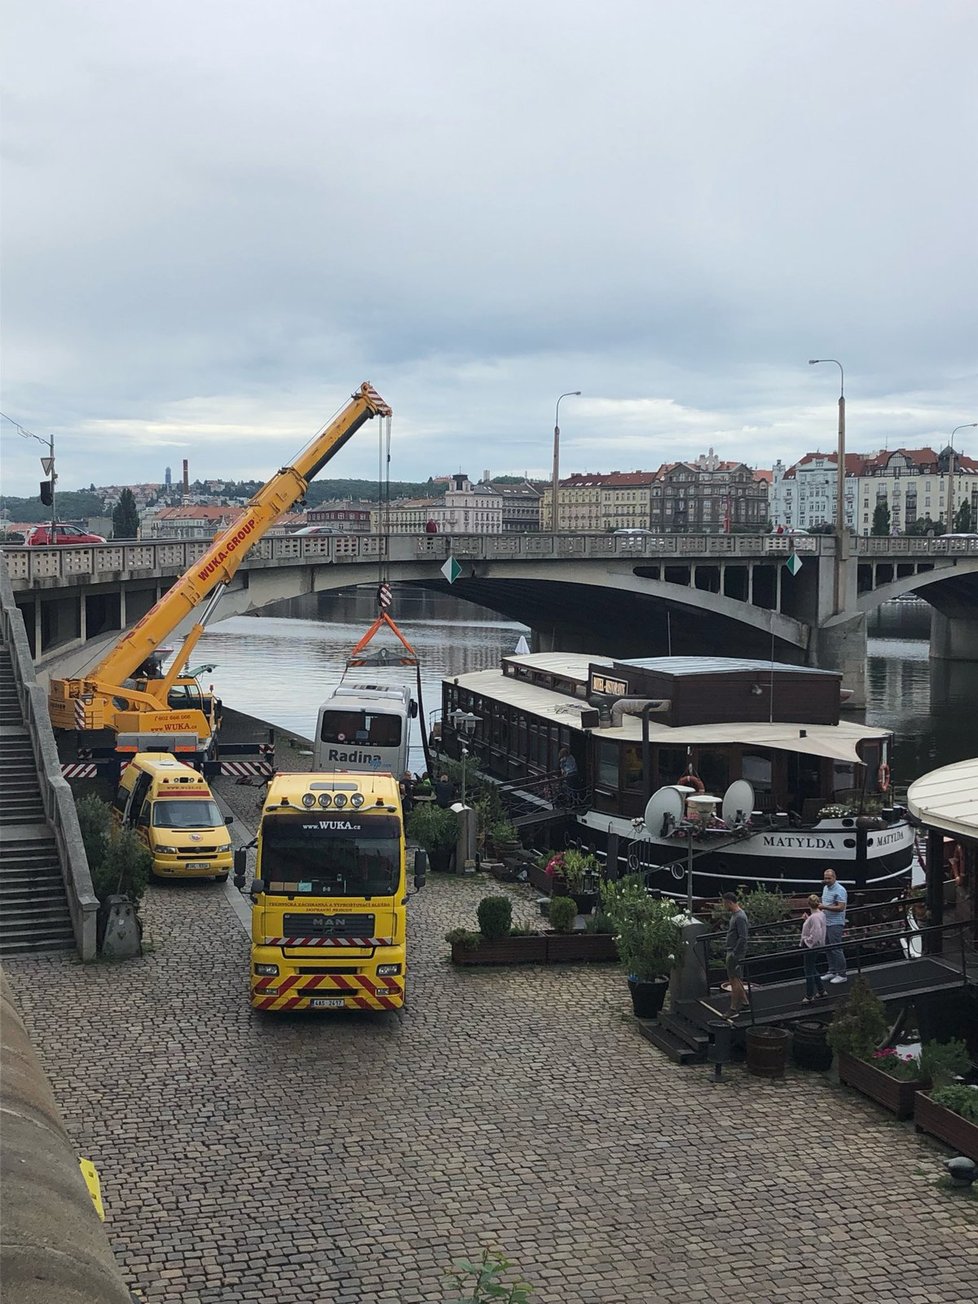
point(705, 771)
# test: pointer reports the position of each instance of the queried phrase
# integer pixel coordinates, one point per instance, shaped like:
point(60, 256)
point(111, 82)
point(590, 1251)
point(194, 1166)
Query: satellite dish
point(738, 801)
point(665, 802)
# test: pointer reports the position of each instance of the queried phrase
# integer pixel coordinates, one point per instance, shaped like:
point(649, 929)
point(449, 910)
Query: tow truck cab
point(328, 917)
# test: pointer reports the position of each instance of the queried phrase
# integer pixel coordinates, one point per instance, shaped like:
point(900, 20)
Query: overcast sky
point(221, 215)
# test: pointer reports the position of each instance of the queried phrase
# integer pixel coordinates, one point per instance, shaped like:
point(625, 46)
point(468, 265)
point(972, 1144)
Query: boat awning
point(834, 742)
point(947, 798)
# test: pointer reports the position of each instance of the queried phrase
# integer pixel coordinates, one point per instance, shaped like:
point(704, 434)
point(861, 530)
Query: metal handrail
point(846, 947)
point(898, 904)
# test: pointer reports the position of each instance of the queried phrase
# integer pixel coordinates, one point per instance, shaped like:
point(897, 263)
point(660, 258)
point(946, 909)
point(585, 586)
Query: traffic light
point(47, 497)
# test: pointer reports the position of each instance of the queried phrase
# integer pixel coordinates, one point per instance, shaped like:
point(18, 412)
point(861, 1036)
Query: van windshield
point(187, 813)
point(313, 855)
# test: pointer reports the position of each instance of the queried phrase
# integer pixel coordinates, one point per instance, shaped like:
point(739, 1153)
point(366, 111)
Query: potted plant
point(577, 874)
point(435, 829)
point(951, 1114)
point(881, 1072)
point(121, 866)
point(648, 935)
point(496, 942)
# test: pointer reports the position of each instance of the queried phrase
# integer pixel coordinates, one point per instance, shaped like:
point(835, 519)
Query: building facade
point(708, 496)
point(520, 506)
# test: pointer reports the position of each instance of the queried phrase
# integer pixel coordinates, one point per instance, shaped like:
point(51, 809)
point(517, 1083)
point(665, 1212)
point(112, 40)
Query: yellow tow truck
point(329, 918)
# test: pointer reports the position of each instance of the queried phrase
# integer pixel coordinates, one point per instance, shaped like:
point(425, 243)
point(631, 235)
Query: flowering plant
point(905, 1067)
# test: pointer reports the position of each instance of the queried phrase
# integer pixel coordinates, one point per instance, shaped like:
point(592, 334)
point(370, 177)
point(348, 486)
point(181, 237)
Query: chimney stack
point(186, 476)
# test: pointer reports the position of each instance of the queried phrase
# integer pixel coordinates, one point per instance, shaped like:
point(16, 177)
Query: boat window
point(757, 770)
point(608, 763)
point(671, 763)
point(714, 769)
point(632, 770)
point(843, 777)
point(870, 752)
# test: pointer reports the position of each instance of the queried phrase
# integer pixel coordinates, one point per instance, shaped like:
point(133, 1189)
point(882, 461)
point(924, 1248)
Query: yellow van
point(173, 810)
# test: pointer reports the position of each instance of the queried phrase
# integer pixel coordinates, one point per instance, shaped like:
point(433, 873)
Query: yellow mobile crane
point(141, 716)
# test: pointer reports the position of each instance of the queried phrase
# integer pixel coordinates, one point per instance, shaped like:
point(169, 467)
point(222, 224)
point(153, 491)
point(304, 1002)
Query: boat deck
point(684, 1032)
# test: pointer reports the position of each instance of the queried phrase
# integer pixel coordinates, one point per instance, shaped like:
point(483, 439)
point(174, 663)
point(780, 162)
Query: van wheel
point(220, 878)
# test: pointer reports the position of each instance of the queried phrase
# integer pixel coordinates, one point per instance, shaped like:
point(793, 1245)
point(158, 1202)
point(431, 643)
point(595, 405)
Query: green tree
point(964, 519)
point(881, 518)
point(125, 517)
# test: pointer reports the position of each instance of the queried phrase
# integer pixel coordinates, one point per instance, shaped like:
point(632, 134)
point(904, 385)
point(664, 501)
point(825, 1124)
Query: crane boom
point(100, 699)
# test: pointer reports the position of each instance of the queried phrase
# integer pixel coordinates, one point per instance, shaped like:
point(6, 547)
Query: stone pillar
point(688, 981)
point(953, 638)
point(842, 646)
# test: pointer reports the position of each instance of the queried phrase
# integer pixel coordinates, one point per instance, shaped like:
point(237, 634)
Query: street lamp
point(47, 465)
point(464, 723)
point(968, 425)
point(571, 393)
point(842, 535)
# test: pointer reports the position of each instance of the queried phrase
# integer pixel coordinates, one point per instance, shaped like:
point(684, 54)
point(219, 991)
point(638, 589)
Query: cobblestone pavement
point(350, 1159)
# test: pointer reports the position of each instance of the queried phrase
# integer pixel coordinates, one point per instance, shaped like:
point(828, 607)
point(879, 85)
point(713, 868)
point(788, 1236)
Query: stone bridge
point(626, 594)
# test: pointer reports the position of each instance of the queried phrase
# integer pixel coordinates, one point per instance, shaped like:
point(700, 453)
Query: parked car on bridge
point(40, 536)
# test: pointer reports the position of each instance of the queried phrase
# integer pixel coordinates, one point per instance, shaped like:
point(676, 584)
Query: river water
point(279, 667)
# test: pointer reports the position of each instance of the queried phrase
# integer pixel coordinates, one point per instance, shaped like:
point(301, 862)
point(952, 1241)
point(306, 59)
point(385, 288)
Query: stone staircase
point(34, 912)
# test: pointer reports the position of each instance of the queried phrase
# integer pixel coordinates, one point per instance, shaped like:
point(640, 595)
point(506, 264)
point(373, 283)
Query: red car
point(40, 536)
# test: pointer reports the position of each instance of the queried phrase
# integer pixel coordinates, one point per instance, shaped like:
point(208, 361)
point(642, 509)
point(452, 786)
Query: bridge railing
point(168, 557)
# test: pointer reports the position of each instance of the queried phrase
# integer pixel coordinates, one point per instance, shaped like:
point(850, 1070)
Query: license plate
point(326, 1002)
point(199, 864)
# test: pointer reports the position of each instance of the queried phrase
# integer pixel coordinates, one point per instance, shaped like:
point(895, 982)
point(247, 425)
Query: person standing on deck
point(570, 779)
point(834, 901)
point(735, 948)
point(812, 941)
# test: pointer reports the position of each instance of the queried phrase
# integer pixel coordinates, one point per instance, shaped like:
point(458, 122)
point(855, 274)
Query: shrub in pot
point(435, 829)
point(648, 935)
point(563, 912)
point(860, 1022)
point(495, 915)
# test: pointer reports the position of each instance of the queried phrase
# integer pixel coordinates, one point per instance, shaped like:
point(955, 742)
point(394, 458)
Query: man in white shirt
point(834, 900)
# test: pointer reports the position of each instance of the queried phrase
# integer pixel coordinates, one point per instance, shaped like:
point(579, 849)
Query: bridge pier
point(842, 647)
point(953, 638)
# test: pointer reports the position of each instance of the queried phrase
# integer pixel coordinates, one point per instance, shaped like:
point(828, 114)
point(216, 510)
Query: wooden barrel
point(809, 1049)
point(767, 1051)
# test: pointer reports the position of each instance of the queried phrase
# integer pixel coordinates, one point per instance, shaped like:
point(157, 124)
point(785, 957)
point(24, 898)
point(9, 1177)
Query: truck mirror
point(420, 868)
point(413, 709)
point(257, 887)
point(240, 867)
point(228, 819)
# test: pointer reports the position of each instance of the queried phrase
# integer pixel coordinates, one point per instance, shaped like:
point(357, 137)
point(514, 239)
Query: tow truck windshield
point(330, 855)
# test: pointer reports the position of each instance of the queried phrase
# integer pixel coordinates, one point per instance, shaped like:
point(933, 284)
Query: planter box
point(957, 1132)
point(550, 948)
point(564, 948)
point(505, 950)
point(893, 1094)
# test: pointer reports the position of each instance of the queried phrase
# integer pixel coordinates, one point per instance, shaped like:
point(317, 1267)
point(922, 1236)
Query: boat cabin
point(636, 725)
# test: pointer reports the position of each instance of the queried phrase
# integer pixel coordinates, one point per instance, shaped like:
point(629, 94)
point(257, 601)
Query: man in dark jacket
point(735, 948)
point(444, 791)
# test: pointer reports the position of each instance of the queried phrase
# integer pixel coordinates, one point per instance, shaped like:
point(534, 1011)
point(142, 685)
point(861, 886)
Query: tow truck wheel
point(220, 878)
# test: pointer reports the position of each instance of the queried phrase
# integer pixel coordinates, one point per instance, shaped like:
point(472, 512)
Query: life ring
point(883, 776)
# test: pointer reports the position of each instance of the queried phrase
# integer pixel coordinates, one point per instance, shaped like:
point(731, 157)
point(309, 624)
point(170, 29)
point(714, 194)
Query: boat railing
point(533, 796)
point(912, 943)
